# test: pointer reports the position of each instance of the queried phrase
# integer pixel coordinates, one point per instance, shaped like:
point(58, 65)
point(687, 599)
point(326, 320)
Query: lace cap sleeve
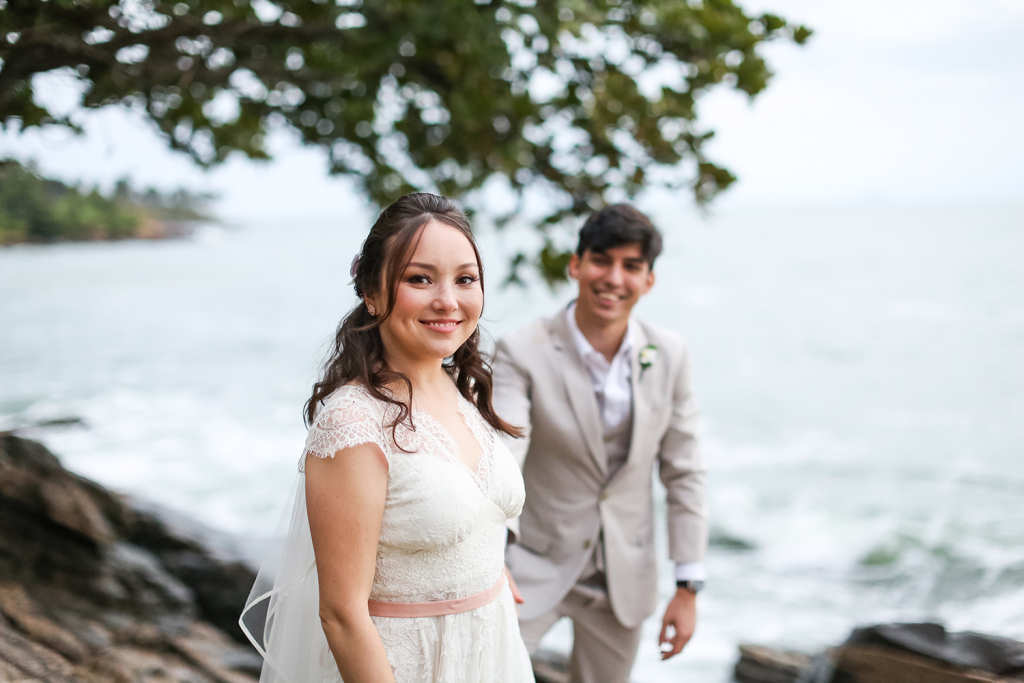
point(347, 418)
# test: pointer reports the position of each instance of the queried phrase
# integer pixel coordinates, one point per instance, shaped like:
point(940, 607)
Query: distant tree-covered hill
point(36, 209)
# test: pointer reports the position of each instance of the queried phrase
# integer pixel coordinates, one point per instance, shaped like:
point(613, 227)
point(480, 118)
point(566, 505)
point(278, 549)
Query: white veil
point(282, 615)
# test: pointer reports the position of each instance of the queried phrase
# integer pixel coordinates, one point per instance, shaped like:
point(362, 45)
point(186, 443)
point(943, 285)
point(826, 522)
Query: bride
point(392, 568)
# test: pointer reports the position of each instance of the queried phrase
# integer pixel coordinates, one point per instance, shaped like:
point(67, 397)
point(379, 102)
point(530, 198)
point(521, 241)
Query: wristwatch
point(692, 586)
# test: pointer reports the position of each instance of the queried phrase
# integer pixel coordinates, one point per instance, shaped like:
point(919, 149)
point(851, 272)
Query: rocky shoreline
point(156, 229)
point(148, 229)
point(97, 587)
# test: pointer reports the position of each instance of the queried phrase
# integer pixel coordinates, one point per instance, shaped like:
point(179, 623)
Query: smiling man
point(604, 399)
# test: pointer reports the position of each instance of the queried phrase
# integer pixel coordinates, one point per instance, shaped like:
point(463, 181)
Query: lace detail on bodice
point(443, 531)
point(351, 416)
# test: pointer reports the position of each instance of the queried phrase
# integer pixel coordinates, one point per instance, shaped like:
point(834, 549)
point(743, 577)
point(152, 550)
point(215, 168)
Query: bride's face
point(438, 300)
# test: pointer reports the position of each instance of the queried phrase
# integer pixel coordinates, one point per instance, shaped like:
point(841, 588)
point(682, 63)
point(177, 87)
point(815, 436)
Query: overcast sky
point(915, 102)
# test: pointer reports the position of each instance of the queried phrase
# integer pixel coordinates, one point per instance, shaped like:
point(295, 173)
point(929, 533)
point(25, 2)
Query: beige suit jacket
point(541, 384)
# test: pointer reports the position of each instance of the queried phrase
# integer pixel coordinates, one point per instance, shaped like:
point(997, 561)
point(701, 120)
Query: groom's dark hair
point(616, 225)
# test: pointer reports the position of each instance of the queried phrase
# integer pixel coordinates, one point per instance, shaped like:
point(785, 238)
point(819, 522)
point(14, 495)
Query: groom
point(604, 398)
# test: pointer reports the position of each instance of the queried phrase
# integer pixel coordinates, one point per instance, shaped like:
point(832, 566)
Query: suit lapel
point(580, 391)
point(642, 384)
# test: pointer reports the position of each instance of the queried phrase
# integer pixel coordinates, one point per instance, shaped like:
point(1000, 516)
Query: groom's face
point(611, 281)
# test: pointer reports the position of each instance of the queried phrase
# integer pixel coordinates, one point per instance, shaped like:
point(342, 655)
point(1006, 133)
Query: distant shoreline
point(148, 230)
point(38, 210)
point(166, 229)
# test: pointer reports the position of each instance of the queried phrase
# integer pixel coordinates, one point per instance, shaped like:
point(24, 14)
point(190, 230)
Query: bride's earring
point(370, 309)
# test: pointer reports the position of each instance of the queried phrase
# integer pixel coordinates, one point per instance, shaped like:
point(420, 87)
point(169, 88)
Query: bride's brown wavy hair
point(358, 352)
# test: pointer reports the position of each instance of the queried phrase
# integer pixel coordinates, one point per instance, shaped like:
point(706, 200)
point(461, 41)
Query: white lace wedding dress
point(442, 538)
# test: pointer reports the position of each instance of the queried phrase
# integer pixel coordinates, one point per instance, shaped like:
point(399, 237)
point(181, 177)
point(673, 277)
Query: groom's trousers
point(603, 649)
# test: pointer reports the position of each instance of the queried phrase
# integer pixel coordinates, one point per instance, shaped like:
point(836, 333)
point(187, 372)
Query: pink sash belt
point(436, 608)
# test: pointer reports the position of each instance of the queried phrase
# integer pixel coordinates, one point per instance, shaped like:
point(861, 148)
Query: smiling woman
point(393, 566)
point(419, 263)
point(438, 300)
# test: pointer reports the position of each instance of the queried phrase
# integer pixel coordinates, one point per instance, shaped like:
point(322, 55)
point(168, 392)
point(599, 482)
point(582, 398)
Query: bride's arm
point(345, 500)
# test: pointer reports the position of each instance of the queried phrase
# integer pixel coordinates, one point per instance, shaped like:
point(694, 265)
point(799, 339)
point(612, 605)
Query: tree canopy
point(579, 102)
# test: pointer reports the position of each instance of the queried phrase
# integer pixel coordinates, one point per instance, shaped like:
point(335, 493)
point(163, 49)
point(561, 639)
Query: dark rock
point(69, 421)
point(26, 658)
point(967, 650)
point(29, 454)
point(891, 653)
point(210, 649)
point(550, 666)
point(758, 664)
point(28, 618)
point(141, 581)
point(723, 540)
point(98, 587)
point(878, 664)
point(219, 573)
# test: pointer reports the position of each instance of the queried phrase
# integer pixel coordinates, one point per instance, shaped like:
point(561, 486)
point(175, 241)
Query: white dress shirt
point(614, 393)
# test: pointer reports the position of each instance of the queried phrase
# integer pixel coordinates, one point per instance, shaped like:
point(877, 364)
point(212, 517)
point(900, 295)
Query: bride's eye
point(418, 280)
point(467, 280)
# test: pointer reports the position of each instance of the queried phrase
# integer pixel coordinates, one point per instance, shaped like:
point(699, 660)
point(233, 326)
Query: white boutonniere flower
point(648, 355)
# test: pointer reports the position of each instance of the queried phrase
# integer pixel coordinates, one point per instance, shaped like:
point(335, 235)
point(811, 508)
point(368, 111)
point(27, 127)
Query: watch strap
point(690, 585)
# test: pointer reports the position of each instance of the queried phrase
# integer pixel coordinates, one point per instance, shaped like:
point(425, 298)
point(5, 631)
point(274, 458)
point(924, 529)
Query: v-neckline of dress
point(450, 447)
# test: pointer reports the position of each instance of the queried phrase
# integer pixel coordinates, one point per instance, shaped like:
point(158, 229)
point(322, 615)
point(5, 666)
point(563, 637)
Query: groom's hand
point(681, 615)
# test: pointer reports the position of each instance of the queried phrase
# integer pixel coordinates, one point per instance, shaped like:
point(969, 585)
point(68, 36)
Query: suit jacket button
point(603, 496)
point(586, 544)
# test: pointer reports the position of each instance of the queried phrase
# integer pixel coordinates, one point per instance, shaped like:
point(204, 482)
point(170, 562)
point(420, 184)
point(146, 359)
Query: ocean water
point(861, 374)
